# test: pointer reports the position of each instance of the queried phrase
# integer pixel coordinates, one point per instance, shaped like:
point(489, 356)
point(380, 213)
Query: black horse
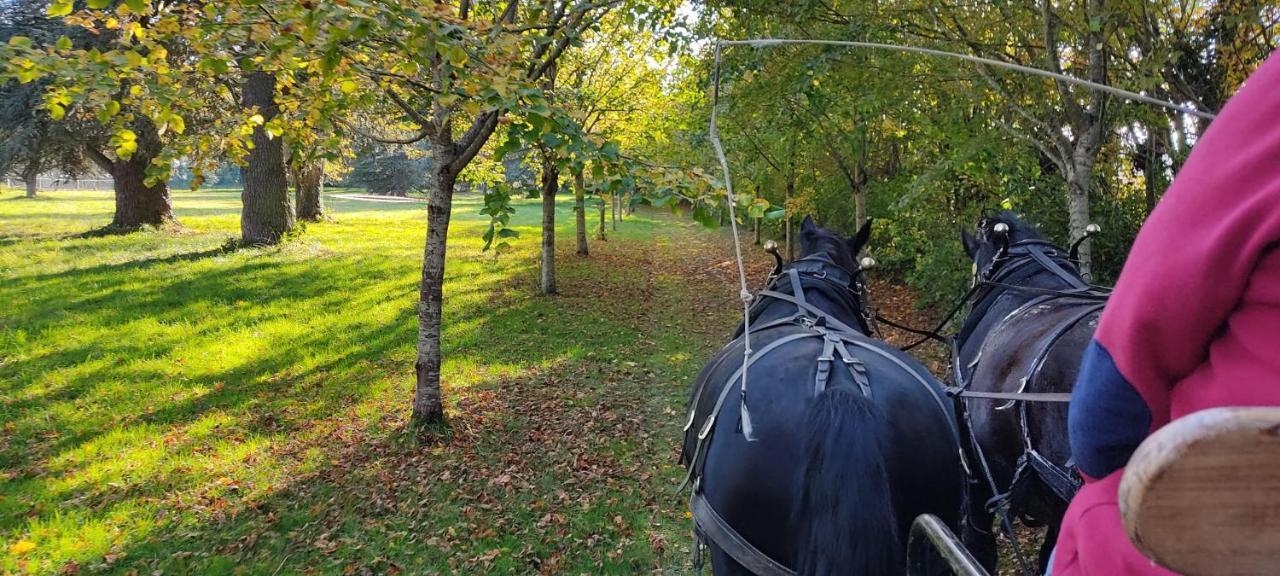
point(838, 441)
point(1032, 317)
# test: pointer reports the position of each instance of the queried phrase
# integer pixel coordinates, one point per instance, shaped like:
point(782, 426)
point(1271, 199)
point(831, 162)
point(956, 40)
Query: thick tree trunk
point(267, 214)
point(309, 182)
point(138, 204)
point(580, 213)
point(31, 185)
point(550, 185)
point(427, 405)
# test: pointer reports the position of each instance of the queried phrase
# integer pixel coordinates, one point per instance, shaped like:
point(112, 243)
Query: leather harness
point(1021, 261)
point(816, 272)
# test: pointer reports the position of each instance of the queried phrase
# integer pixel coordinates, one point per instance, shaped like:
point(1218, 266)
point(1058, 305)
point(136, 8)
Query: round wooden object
point(1201, 496)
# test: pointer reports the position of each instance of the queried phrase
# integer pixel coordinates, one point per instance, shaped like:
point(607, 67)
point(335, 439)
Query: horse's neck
point(1003, 301)
point(839, 310)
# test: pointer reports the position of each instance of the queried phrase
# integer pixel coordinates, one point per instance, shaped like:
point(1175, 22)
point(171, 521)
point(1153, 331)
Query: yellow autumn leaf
point(21, 547)
point(257, 119)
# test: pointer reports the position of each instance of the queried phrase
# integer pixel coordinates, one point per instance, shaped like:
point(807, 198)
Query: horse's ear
point(807, 225)
point(860, 239)
point(970, 243)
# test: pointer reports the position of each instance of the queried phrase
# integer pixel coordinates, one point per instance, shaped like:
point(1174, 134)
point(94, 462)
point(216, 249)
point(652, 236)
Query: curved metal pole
point(766, 42)
point(931, 539)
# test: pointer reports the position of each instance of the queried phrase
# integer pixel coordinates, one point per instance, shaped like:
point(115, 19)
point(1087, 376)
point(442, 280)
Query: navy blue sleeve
point(1107, 417)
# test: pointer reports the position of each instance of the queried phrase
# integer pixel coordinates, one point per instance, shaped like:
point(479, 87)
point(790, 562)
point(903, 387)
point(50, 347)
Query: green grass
point(169, 406)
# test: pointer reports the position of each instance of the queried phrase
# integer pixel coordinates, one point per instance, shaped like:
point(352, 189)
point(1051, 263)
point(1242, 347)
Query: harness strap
point(824, 364)
point(856, 368)
point(700, 442)
point(797, 289)
point(810, 309)
point(1038, 255)
point(709, 523)
point(960, 392)
point(1058, 479)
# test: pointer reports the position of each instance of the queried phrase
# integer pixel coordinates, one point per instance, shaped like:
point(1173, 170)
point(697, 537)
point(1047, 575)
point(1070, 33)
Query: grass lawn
point(171, 407)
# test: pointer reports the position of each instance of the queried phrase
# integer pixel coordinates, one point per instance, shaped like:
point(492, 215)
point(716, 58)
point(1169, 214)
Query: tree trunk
point(550, 184)
point(1152, 166)
point(427, 406)
point(137, 204)
point(580, 213)
point(1078, 210)
point(600, 229)
point(267, 214)
point(755, 222)
point(859, 205)
point(309, 182)
point(615, 202)
point(791, 244)
point(31, 177)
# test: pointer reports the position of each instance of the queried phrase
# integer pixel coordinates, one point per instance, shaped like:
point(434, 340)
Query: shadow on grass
point(212, 414)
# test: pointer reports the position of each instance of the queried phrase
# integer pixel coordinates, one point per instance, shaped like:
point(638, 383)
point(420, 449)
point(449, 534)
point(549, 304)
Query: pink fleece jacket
point(1194, 322)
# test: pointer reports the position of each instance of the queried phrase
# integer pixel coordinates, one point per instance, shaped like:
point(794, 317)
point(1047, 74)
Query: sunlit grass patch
point(171, 405)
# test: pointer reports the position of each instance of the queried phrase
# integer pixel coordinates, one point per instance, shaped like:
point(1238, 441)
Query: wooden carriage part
point(1201, 496)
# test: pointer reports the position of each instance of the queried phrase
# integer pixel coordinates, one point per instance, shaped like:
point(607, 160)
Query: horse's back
point(752, 483)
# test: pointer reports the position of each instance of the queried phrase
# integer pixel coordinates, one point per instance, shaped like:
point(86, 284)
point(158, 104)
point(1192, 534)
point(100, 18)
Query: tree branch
point(475, 137)
point(99, 158)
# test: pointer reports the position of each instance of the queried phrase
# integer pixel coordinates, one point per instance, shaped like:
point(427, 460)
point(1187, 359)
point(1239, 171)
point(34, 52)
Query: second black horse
point(1032, 317)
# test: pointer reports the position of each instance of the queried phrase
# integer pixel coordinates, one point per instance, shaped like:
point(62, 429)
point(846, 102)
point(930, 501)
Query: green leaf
point(20, 41)
point(126, 143)
point(98, 4)
point(59, 8)
point(63, 43)
point(136, 6)
point(108, 110)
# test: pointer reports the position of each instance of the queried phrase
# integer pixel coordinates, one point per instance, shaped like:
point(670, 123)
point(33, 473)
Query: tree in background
point(267, 213)
point(389, 170)
point(30, 142)
point(308, 184)
point(450, 73)
point(126, 154)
